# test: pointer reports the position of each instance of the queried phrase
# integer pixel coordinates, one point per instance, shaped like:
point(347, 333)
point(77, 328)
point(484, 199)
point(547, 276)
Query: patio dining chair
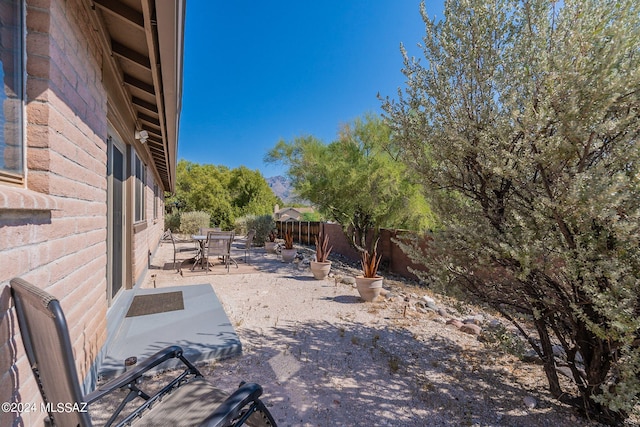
point(187, 400)
point(176, 249)
point(219, 244)
point(204, 230)
point(246, 245)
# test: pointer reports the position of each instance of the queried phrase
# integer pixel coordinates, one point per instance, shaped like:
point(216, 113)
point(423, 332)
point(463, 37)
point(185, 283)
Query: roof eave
point(170, 18)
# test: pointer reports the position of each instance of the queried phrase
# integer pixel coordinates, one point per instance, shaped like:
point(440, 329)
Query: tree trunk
point(548, 360)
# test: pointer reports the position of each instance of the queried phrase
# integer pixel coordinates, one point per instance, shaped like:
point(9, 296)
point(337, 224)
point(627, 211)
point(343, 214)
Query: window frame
point(156, 200)
point(8, 176)
point(139, 196)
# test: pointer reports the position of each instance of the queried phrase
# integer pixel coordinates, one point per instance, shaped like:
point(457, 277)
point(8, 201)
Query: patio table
point(201, 239)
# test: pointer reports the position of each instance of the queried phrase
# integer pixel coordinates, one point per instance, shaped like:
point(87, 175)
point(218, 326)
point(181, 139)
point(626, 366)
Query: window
point(140, 172)
point(12, 95)
point(156, 200)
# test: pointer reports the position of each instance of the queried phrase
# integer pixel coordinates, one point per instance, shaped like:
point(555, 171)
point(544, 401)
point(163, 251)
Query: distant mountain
point(281, 187)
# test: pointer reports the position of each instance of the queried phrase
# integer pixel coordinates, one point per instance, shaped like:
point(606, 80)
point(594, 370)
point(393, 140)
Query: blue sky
point(256, 72)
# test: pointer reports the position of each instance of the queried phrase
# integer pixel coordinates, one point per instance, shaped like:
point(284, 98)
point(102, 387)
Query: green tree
point(224, 193)
point(354, 180)
point(523, 125)
point(250, 193)
point(204, 188)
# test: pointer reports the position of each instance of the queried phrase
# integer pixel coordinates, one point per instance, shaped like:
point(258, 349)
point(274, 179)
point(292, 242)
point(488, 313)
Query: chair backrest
point(219, 243)
point(205, 230)
point(46, 340)
point(250, 235)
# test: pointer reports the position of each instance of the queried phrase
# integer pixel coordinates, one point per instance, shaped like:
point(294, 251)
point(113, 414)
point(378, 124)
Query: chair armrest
point(135, 373)
point(231, 407)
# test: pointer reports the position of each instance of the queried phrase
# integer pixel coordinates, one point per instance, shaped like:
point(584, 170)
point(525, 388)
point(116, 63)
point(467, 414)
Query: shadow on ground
point(350, 374)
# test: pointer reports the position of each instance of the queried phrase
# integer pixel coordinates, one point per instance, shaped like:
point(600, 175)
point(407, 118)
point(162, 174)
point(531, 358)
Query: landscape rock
point(530, 356)
point(455, 322)
point(566, 371)
point(494, 324)
point(478, 319)
point(470, 328)
point(430, 303)
point(530, 402)
point(348, 280)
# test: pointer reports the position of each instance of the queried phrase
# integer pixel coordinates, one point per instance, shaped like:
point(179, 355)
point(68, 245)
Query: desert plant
point(322, 247)
point(172, 221)
point(288, 240)
point(191, 222)
point(240, 224)
point(370, 262)
point(263, 224)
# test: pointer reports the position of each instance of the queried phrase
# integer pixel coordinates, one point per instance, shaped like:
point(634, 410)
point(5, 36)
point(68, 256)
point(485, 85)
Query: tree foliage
point(224, 193)
point(523, 125)
point(354, 180)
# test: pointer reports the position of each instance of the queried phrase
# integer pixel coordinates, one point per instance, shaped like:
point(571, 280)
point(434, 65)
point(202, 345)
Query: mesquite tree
point(524, 126)
point(355, 181)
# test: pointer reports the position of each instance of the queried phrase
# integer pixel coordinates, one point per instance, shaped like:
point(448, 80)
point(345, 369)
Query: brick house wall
point(147, 235)
point(61, 249)
point(53, 233)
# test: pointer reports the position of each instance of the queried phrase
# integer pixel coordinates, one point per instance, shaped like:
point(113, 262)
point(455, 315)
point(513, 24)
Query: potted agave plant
point(370, 283)
point(288, 252)
point(270, 244)
point(321, 266)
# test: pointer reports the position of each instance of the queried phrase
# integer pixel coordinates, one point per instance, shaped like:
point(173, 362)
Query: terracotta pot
point(320, 270)
point(270, 247)
point(369, 287)
point(288, 254)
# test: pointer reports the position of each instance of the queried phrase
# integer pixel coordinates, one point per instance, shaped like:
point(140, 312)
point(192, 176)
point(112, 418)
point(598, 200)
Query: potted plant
point(270, 244)
point(321, 266)
point(288, 253)
point(370, 284)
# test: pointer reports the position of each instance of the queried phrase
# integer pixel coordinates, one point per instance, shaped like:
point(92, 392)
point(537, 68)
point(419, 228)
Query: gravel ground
point(325, 358)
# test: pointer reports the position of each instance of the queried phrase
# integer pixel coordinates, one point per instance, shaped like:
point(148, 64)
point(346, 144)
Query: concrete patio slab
point(202, 329)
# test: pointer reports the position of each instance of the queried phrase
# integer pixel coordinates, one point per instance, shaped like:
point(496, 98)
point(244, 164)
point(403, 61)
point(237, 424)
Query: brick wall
point(147, 234)
point(63, 249)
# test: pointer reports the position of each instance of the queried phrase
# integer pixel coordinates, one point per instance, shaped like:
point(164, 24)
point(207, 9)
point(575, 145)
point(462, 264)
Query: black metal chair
point(168, 235)
point(187, 400)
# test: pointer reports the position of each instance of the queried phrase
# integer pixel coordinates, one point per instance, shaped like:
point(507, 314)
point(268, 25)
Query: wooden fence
point(304, 232)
